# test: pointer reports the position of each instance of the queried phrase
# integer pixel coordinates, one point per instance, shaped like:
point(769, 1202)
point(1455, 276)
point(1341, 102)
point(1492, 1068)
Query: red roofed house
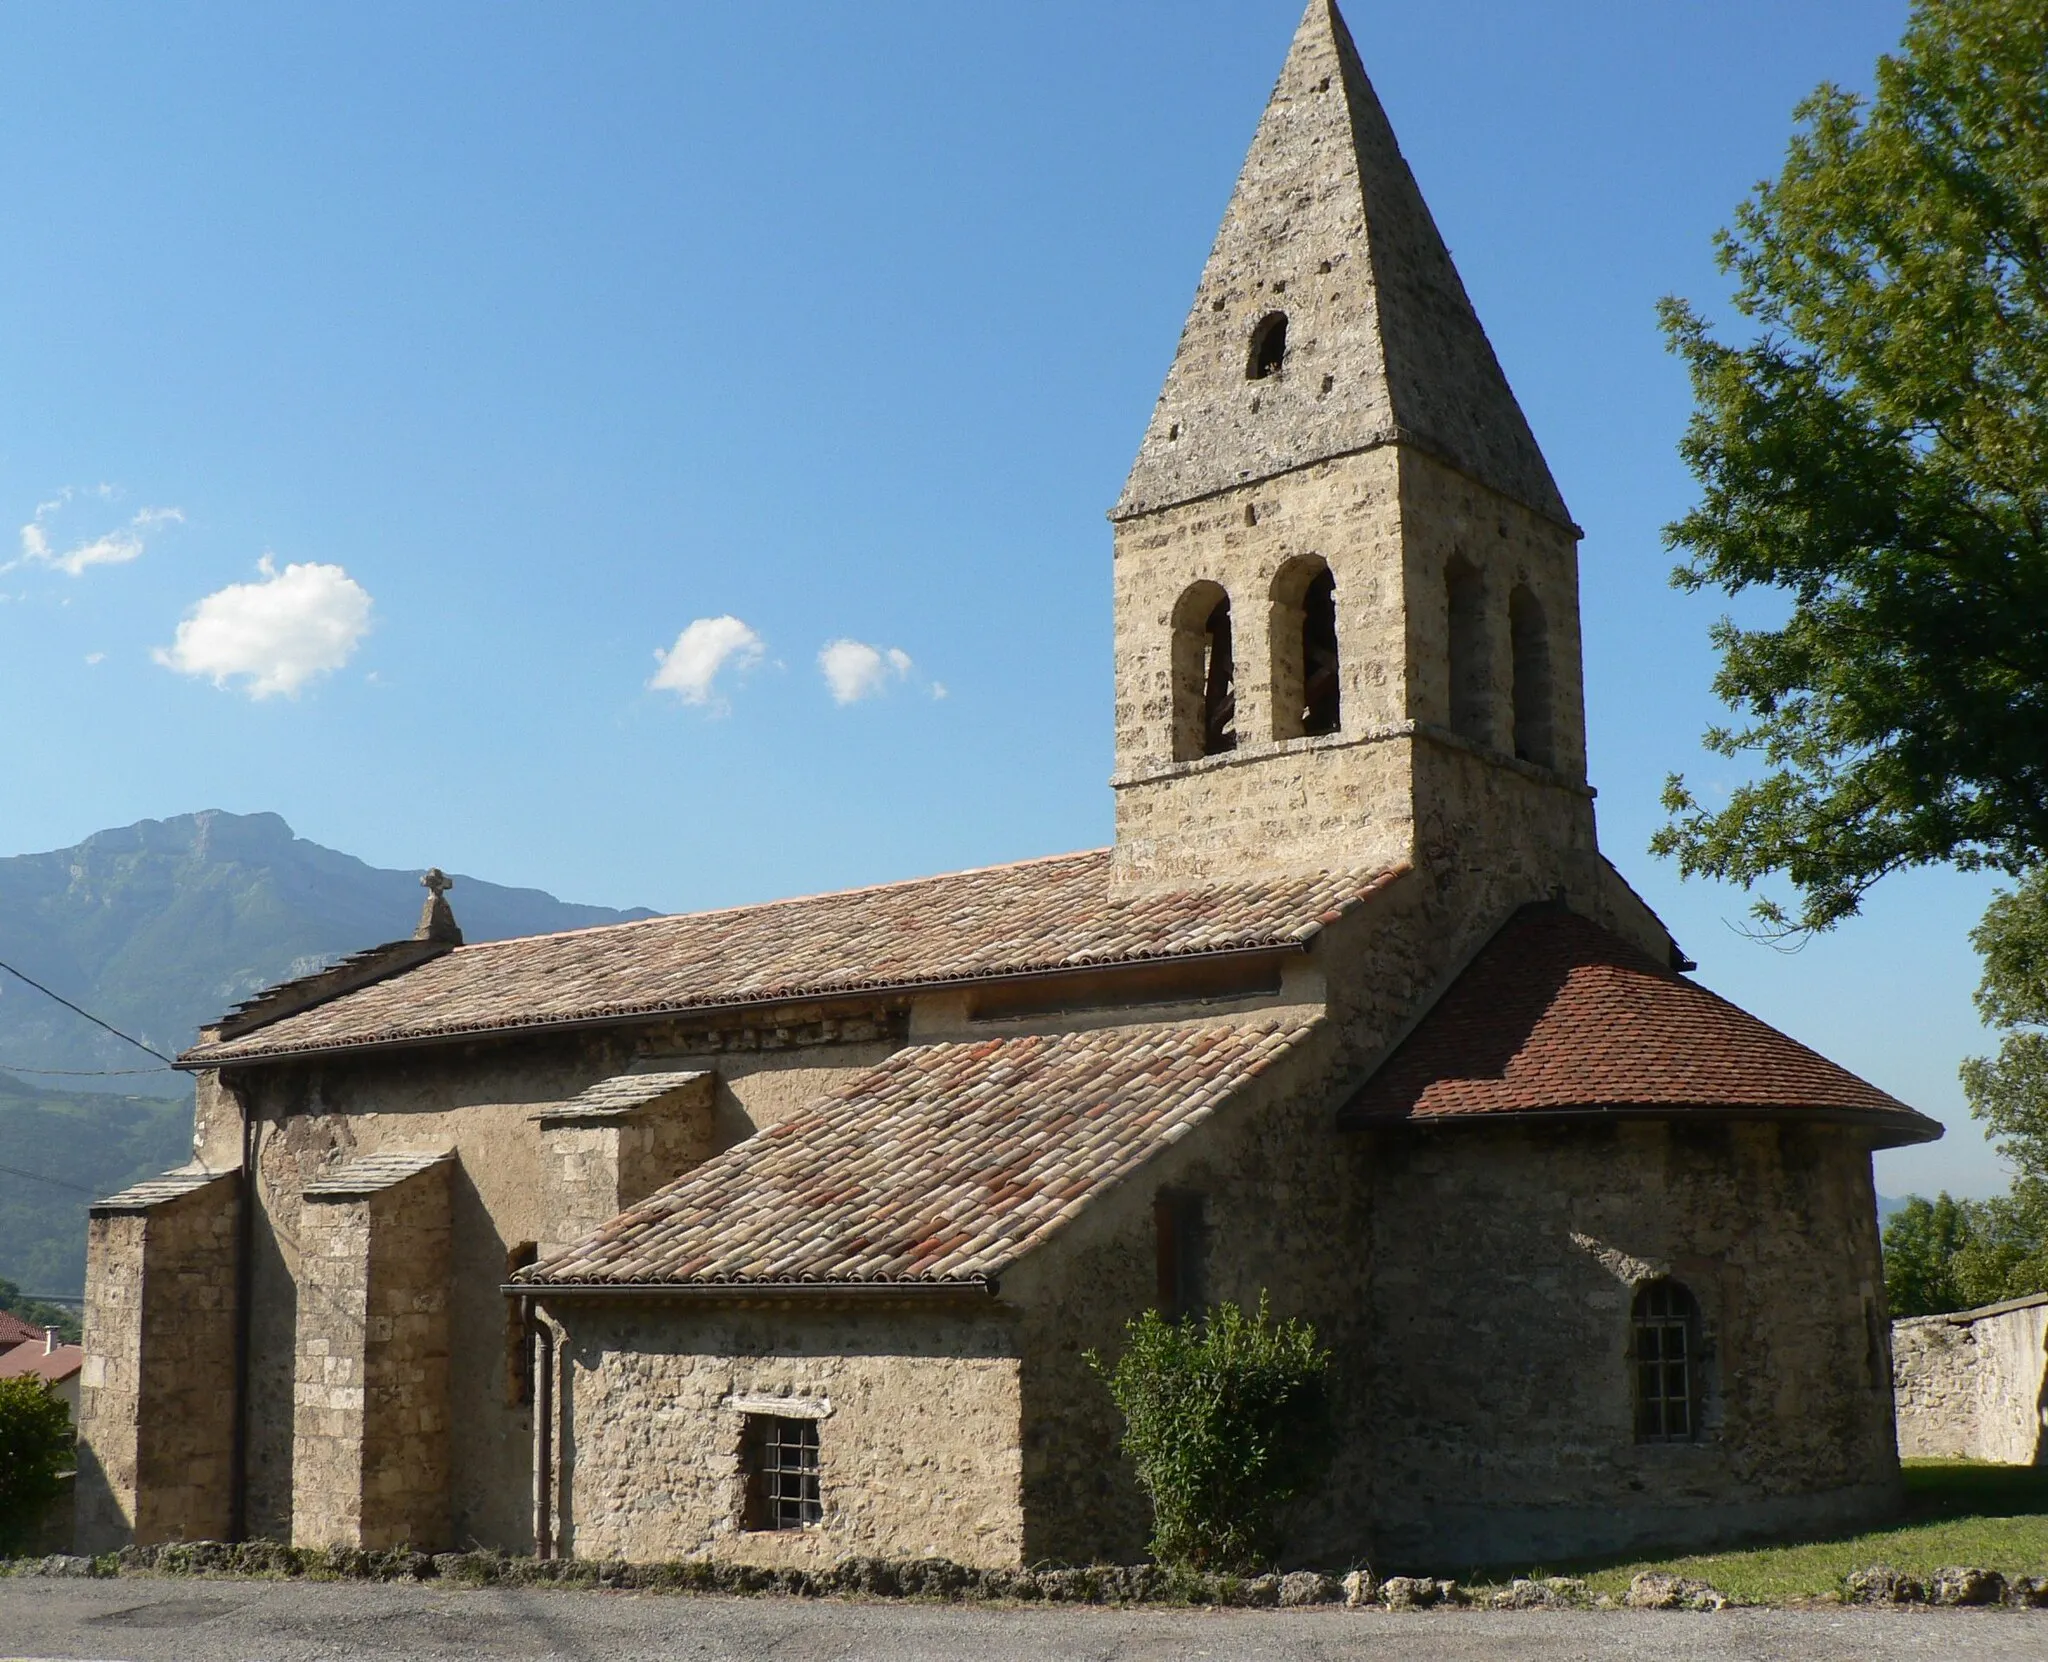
point(57, 1366)
point(779, 1234)
point(15, 1332)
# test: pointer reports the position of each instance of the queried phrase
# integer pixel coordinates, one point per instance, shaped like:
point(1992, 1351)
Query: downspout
point(544, 1434)
point(245, 1290)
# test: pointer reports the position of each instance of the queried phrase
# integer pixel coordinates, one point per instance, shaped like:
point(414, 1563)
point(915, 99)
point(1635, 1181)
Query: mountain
point(158, 927)
point(58, 1149)
point(163, 925)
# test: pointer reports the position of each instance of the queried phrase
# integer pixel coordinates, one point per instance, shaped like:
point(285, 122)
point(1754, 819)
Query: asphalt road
point(243, 1621)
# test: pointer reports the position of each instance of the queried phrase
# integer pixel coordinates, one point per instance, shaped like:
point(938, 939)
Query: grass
point(1957, 1512)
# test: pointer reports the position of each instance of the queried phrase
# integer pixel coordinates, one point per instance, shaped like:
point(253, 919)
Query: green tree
point(1226, 1417)
point(1922, 1241)
point(1875, 459)
point(36, 1447)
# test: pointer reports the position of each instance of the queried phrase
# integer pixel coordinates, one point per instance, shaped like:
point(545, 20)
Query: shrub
point(36, 1445)
point(1225, 1418)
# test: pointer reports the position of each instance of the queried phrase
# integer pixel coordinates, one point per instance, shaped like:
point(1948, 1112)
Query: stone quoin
point(780, 1234)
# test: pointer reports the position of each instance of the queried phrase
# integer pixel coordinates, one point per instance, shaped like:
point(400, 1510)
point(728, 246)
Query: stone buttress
point(370, 1458)
point(157, 1395)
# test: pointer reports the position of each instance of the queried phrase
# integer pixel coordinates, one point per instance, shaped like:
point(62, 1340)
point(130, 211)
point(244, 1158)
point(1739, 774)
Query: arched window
point(1531, 639)
point(1307, 698)
point(1664, 1347)
point(1269, 347)
point(1204, 674)
point(1470, 691)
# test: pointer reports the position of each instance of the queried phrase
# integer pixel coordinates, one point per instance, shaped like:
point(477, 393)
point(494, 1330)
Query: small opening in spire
point(1269, 347)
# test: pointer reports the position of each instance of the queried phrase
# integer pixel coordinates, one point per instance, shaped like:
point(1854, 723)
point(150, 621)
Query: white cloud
point(854, 670)
point(95, 657)
point(110, 548)
point(704, 650)
point(277, 634)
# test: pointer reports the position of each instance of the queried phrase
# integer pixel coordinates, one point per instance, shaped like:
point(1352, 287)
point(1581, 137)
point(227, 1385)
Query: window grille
point(1666, 1357)
point(782, 1472)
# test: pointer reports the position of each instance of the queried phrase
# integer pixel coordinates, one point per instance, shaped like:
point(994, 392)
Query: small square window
point(781, 1460)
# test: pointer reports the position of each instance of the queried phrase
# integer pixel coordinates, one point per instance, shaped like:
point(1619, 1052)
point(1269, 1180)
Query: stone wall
point(483, 1102)
point(917, 1416)
point(156, 1416)
point(1499, 1391)
point(598, 1163)
point(370, 1445)
point(1974, 1385)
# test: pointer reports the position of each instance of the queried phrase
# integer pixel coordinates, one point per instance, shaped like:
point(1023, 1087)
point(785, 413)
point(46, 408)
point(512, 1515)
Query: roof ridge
point(625, 924)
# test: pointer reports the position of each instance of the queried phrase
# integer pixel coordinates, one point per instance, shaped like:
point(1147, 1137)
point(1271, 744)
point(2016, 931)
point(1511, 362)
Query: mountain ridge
point(161, 926)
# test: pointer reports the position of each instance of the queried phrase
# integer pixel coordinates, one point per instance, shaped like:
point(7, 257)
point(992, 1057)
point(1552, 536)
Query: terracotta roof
point(1557, 1015)
point(14, 1331)
point(942, 1165)
point(55, 1365)
point(1039, 915)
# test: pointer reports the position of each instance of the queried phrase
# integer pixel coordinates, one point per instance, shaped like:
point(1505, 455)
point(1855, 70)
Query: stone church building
point(779, 1233)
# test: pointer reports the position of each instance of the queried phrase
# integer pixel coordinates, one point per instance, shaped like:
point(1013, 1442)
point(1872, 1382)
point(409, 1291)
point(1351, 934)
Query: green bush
point(1225, 1418)
point(36, 1445)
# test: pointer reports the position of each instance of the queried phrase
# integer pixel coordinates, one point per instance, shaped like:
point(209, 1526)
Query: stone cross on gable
point(437, 918)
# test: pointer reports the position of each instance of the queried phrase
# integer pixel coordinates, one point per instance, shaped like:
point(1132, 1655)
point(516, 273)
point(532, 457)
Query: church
point(780, 1234)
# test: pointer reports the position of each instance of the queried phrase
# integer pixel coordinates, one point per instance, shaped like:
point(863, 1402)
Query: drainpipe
point(544, 1435)
point(245, 1288)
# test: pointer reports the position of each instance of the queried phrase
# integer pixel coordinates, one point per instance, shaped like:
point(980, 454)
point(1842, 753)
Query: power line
point(89, 1016)
point(54, 1182)
point(82, 1073)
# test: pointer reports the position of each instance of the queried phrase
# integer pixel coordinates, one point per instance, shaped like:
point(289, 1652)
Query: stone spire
point(437, 917)
point(1327, 230)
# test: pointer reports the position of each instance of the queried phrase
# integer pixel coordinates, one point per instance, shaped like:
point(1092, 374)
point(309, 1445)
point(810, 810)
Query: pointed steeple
point(1328, 232)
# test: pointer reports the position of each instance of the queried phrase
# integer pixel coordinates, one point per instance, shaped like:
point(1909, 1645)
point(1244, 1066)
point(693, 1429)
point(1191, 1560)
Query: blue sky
point(386, 386)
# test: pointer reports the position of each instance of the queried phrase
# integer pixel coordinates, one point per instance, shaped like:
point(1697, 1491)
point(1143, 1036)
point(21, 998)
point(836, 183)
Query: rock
point(1299, 1587)
point(1965, 1584)
point(1359, 1588)
point(1881, 1584)
point(1408, 1592)
point(1660, 1590)
point(2029, 1592)
point(64, 1564)
point(1262, 1591)
point(1449, 1592)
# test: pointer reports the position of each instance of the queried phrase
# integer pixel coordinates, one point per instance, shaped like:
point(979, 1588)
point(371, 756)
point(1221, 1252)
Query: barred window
point(1667, 1327)
point(781, 1458)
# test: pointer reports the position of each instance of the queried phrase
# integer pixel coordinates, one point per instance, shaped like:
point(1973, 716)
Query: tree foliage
point(36, 1447)
point(1875, 457)
point(1226, 1417)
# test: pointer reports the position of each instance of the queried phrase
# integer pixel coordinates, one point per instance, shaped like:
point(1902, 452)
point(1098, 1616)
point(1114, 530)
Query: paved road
point(242, 1621)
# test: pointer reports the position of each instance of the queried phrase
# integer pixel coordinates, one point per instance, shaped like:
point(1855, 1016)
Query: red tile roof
point(14, 1331)
point(1035, 916)
point(1557, 1015)
point(56, 1365)
point(942, 1165)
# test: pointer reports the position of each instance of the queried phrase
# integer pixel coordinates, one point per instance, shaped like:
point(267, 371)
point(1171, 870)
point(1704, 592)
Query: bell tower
point(1347, 615)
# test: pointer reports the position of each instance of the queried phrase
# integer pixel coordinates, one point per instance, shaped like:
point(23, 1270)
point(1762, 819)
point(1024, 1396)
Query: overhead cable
point(89, 1016)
